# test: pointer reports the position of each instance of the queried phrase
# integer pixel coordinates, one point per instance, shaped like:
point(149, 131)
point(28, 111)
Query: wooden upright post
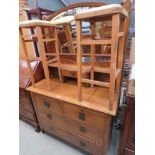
point(79, 56)
point(114, 47)
point(69, 38)
point(25, 52)
point(92, 23)
point(43, 54)
point(120, 55)
point(57, 53)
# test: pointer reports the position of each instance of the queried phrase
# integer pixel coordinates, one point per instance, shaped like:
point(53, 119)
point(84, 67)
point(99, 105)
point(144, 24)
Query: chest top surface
point(95, 98)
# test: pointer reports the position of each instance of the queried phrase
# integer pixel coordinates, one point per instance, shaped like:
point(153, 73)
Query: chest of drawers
point(83, 127)
point(83, 124)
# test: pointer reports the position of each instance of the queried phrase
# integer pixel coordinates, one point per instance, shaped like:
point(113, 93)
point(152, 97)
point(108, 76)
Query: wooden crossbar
point(30, 39)
point(102, 69)
point(50, 54)
point(87, 70)
point(95, 42)
point(35, 59)
point(84, 54)
point(49, 39)
point(52, 60)
point(94, 82)
point(27, 36)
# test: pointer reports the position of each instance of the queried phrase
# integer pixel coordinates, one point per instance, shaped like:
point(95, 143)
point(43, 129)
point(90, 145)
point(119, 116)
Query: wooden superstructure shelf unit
point(117, 15)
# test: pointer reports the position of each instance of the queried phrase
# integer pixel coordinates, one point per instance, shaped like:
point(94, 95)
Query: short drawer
point(45, 103)
point(84, 129)
point(26, 107)
point(84, 115)
point(75, 139)
point(27, 114)
point(23, 99)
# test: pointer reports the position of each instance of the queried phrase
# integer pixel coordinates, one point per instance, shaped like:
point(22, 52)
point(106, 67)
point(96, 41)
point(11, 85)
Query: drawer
point(33, 123)
point(84, 115)
point(24, 99)
point(74, 139)
point(84, 129)
point(22, 92)
point(26, 107)
point(45, 103)
point(27, 114)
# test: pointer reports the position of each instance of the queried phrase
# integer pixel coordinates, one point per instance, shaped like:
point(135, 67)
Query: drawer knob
point(82, 143)
point(82, 129)
point(49, 116)
point(46, 104)
point(82, 116)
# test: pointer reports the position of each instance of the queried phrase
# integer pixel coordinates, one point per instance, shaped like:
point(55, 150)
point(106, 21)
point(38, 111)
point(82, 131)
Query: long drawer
point(72, 111)
point(84, 129)
point(73, 138)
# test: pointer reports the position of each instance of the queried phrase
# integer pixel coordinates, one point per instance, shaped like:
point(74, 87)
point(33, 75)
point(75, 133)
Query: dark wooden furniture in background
point(26, 109)
point(127, 142)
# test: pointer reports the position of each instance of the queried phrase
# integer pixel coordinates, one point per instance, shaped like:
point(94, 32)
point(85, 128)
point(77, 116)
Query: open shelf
point(73, 67)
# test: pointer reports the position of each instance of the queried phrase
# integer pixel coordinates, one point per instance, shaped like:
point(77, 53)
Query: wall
point(48, 4)
point(57, 4)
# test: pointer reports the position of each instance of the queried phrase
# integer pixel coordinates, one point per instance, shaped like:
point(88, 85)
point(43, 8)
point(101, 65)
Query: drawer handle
point(82, 143)
point(82, 129)
point(46, 104)
point(49, 116)
point(82, 116)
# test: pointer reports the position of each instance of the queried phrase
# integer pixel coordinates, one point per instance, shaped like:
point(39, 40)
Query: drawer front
point(23, 99)
point(44, 103)
point(25, 102)
point(26, 107)
point(75, 139)
point(27, 114)
point(84, 129)
point(84, 115)
point(22, 92)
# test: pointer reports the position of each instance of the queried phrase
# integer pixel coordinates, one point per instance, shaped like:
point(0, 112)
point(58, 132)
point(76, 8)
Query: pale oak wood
point(114, 46)
point(43, 55)
point(92, 52)
point(79, 56)
point(26, 56)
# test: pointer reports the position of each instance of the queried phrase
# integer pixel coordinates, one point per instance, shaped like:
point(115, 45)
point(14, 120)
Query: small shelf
point(95, 41)
point(73, 67)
